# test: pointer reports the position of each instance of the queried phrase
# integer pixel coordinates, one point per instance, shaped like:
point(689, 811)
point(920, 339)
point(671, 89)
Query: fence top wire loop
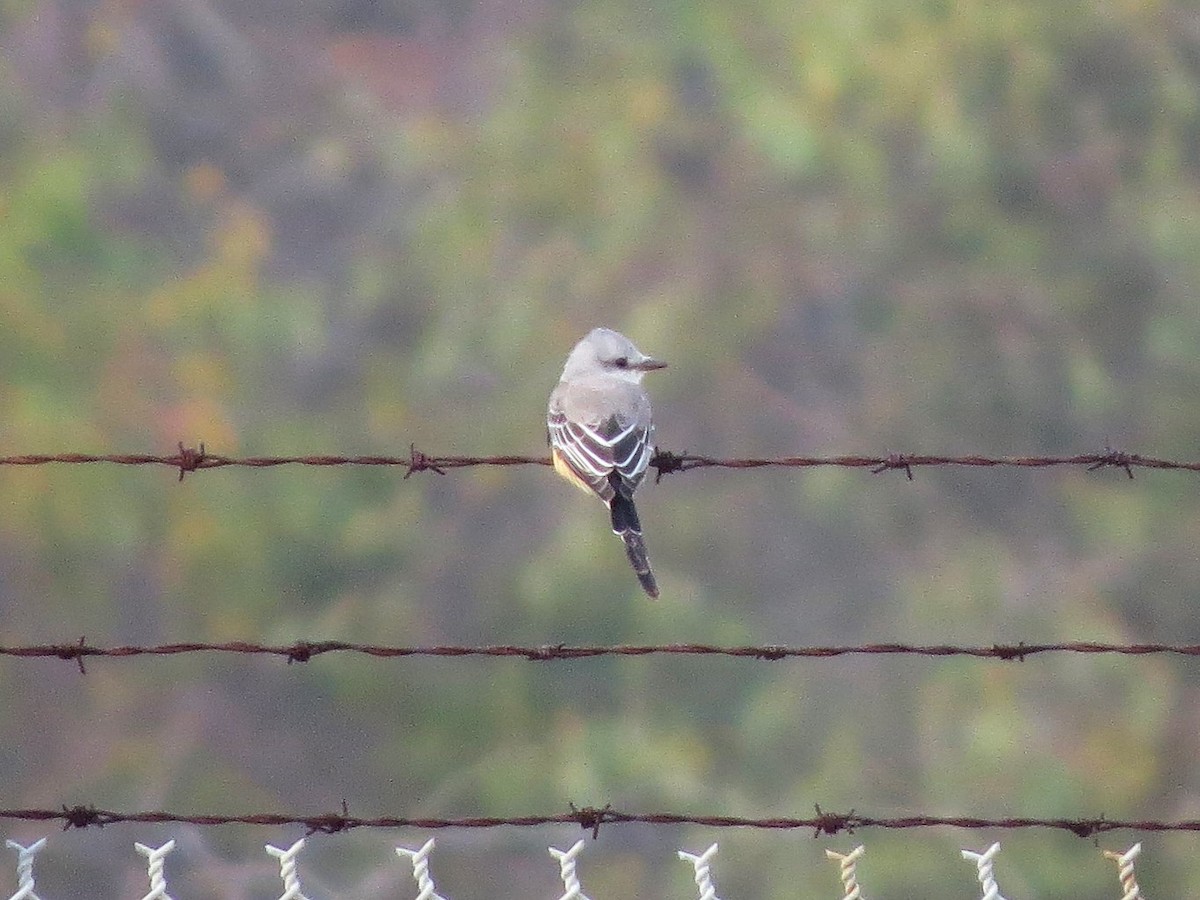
point(591, 818)
point(306, 651)
point(665, 462)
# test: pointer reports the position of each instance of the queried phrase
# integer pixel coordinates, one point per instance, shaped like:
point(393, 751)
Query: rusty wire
point(190, 459)
point(303, 651)
point(592, 819)
point(664, 462)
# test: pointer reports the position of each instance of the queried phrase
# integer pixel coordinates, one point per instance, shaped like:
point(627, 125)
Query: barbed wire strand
point(664, 462)
point(592, 819)
point(304, 651)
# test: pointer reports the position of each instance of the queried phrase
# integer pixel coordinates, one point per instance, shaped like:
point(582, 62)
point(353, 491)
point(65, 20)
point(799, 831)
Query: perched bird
point(600, 426)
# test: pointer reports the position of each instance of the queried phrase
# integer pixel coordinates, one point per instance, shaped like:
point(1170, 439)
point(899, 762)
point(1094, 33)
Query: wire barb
point(76, 652)
point(566, 870)
point(590, 818)
point(85, 817)
point(155, 858)
point(1117, 459)
point(702, 864)
point(420, 865)
point(1125, 871)
point(848, 866)
point(419, 462)
point(664, 462)
point(190, 459)
point(287, 869)
point(331, 823)
point(984, 864)
point(894, 461)
point(25, 857)
point(832, 823)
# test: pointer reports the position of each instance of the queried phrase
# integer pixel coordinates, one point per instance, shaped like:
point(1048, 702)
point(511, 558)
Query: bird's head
point(607, 352)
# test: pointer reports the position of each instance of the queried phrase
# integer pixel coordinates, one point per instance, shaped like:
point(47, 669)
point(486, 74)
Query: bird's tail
point(626, 526)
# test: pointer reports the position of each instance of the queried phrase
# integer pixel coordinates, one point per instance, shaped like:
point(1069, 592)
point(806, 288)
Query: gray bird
point(600, 426)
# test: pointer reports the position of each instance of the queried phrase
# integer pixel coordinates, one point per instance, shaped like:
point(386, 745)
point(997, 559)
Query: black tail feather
point(635, 549)
point(624, 515)
point(626, 526)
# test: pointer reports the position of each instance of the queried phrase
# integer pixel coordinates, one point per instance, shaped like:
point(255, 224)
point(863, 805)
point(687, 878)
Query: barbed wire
point(664, 462)
point(592, 819)
point(303, 651)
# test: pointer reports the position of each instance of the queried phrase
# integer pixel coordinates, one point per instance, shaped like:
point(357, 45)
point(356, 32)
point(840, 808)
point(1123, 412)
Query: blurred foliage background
point(344, 226)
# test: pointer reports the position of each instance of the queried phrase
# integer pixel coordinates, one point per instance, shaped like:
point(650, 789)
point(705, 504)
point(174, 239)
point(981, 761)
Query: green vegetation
point(850, 227)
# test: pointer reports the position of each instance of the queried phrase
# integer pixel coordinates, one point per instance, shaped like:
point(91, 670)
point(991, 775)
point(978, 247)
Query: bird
point(599, 426)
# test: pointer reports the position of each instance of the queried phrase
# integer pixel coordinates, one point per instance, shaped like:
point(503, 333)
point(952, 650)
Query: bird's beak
point(649, 365)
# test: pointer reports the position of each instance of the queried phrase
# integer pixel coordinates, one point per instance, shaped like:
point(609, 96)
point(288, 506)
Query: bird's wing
point(631, 455)
point(594, 451)
point(584, 452)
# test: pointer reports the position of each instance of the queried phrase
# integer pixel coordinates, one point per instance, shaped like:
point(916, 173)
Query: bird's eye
point(621, 362)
